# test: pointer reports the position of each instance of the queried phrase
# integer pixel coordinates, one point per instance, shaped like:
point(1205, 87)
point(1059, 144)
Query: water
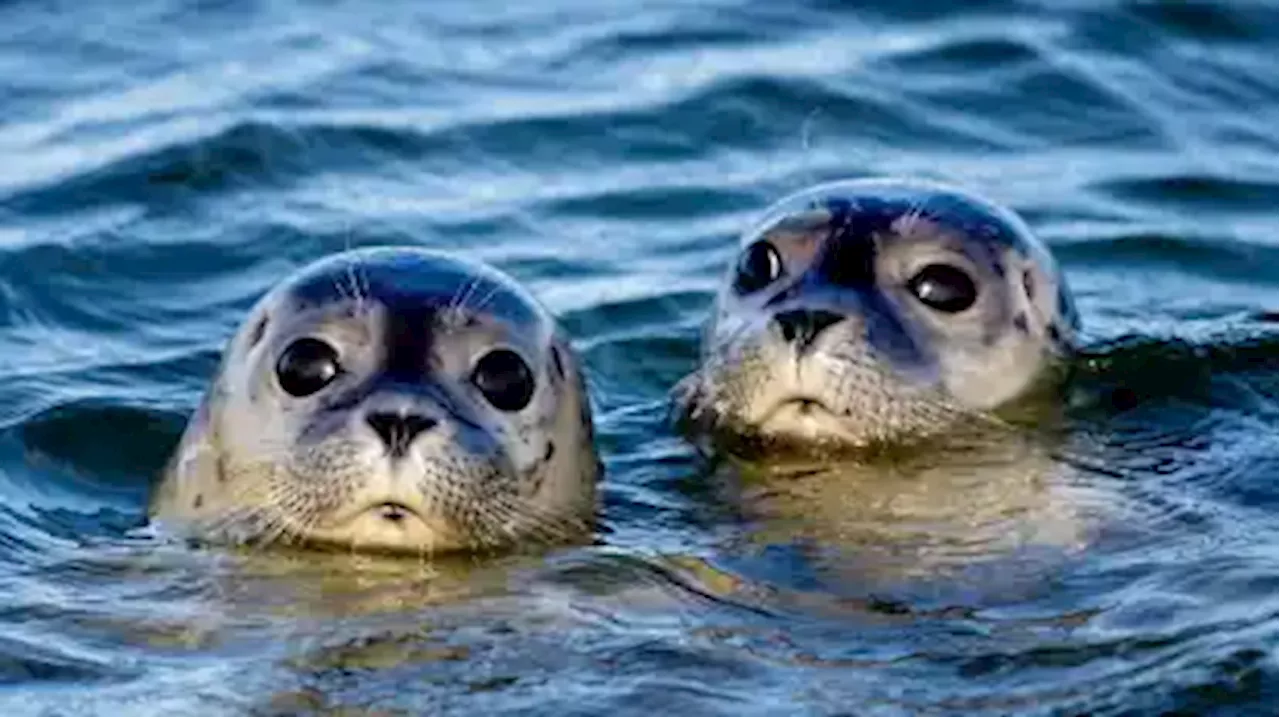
point(165, 162)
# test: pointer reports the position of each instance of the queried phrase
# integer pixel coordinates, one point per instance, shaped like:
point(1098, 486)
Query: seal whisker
point(483, 303)
point(298, 460)
point(459, 296)
point(464, 300)
point(359, 284)
point(922, 329)
point(354, 283)
point(520, 520)
point(913, 214)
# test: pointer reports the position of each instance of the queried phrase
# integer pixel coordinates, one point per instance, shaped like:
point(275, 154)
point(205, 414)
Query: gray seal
point(390, 399)
point(869, 312)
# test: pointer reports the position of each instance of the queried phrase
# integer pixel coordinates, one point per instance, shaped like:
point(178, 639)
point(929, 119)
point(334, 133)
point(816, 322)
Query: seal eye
point(944, 288)
point(306, 366)
point(504, 379)
point(758, 267)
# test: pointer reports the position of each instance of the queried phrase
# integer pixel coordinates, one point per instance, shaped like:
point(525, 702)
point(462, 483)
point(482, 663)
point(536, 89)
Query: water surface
point(165, 162)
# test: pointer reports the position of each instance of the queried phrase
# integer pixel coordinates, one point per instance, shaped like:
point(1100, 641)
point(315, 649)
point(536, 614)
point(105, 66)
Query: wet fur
point(256, 467)
point(889, 372)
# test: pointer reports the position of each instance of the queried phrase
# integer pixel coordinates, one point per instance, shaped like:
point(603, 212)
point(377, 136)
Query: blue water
point(164, 162)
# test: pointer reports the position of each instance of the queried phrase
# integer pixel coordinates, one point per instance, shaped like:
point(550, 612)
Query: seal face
point(864, 312)
point(391, 398)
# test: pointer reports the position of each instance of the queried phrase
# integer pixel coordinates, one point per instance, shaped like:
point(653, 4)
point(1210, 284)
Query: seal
point(389, 399)
point(869, 312)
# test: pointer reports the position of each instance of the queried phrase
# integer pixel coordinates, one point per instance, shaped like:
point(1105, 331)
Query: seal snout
point(397, 430)
point(802, 326)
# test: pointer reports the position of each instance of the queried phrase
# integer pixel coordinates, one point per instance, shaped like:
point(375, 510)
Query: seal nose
point(397, 430)
point(802, 326)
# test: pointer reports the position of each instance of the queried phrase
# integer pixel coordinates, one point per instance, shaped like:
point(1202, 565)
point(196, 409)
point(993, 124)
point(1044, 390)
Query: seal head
point(390, 399)
point(866, 312)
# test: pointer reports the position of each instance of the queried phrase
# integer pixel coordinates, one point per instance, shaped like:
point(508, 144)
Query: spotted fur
point(883, 367)
point(257, 464)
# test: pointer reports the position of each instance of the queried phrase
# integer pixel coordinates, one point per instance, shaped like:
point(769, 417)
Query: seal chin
point(393, 526)
point(805, 419)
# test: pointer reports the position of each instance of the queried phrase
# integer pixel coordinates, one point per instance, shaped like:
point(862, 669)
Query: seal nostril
point(393, 512)
point(802, 326)
point(419, 424)
point(397, 430)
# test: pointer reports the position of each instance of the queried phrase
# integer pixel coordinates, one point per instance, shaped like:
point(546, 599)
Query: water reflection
point(979, 508)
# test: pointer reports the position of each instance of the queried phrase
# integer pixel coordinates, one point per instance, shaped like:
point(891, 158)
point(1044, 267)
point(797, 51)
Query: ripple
point(243, 154)
point(35, 660)
point(169, 161)
point(1200, 20)
point(110, 441)
point(653, 204)
point(1190, 255)
point(996, 55)
point(1192, 193)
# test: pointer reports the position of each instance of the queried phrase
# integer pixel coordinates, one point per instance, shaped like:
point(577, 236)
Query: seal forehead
point(865, 206)
point(865, 311)
point(406, 279)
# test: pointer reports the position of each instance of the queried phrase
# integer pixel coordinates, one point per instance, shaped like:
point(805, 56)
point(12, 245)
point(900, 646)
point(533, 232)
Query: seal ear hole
point(1029, 284)
point(557, 363)
point(759, 266)
point(259, 330)
point(306, 366)
point(504, 379)
point(944, 288)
